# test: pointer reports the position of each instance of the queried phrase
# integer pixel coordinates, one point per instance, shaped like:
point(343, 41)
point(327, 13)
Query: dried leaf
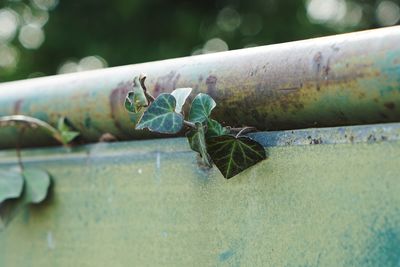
point(136, 99)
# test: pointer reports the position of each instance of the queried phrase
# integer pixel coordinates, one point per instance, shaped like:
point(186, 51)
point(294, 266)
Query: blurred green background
point(47, 37)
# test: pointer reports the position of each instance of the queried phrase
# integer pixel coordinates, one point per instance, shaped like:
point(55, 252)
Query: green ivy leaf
point(11, 184)
point(233, 155)
point(37, 183)
point(67, 135)
point(181, 94)
point(201, 108)
point(215, 129)
point(197, 142)
point(136, 100)
point(161, 116)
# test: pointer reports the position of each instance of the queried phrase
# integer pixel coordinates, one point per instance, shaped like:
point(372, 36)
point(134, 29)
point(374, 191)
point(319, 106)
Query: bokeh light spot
point(68, 67)
point(228, 19)
point(86, 63)
point(9, 56)
point(45, 4)
point(9, 21)
point(215, 45)
point(92, 63)
point(31, 36)
point(388, 13)
point(322, 11)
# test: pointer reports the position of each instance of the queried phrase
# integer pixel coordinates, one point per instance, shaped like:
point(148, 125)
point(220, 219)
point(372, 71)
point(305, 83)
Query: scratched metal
point(337, 135)
point(148, 203)
point(333, 81)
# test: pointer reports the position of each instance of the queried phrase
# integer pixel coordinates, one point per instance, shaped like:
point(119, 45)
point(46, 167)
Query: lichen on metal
point(338, 80)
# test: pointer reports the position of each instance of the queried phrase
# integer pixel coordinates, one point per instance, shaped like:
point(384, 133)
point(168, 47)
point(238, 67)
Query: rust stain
point(389, 105)
point(317, 62)
point(211, 83)
point(327, 68)
point(17, 106)
point(117, 98)
point(166, 83)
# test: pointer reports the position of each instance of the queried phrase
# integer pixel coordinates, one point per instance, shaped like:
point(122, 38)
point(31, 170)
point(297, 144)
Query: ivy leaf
point(67, 135)
point(136, 100)
point(233, 155)
point(37, 184)
point(215, 129)
point(201, 108)
point(11, 184)
point(181, 94)
point(197, 142)
point(161, 116)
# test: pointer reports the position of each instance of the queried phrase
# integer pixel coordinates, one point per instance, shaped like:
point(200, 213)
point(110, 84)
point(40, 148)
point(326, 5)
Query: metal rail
point(339, 80)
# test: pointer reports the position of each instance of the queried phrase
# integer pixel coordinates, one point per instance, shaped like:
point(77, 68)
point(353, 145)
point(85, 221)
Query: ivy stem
point(22, 119)
point(18, 150)
point(189, 124)
point(142, 79)
point(244, 130)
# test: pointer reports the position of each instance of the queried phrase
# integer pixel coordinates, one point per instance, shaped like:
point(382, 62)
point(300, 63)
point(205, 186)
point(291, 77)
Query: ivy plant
point(31, 185)
point(228, 148)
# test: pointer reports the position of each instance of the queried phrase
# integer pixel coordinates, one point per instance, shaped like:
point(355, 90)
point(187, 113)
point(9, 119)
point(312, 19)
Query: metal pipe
point(339, 80)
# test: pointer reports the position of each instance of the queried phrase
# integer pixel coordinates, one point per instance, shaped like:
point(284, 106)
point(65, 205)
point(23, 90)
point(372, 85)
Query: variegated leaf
point(181, 94)
point(161, 117)
point(201, 108)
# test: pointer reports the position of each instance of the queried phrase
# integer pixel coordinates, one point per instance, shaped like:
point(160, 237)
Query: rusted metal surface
point(374, 133)
point(339, 80)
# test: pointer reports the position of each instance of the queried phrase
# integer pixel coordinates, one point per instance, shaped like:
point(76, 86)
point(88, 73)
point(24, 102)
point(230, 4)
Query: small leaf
point(214, 129)
point(201, 108)
point(233, 155)
point(11, 184)
point(161, 116)
point(181, 94)
point(136, 100)
point(67, 135)
point(197, 142)
point(37, 184)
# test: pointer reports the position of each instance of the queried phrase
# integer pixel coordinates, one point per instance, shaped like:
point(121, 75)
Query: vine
point(228, 148)
point(31, 185)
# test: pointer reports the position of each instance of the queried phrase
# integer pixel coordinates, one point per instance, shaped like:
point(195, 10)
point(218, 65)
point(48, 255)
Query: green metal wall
point(330, 202)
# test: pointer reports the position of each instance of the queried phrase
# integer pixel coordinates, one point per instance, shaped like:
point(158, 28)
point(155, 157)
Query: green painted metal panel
point(330, 202)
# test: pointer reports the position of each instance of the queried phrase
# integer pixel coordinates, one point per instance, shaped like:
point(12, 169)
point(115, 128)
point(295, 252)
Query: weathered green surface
point(148, 203)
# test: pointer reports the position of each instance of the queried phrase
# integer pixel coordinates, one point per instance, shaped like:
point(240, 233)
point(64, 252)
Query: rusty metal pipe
point(339, 80)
